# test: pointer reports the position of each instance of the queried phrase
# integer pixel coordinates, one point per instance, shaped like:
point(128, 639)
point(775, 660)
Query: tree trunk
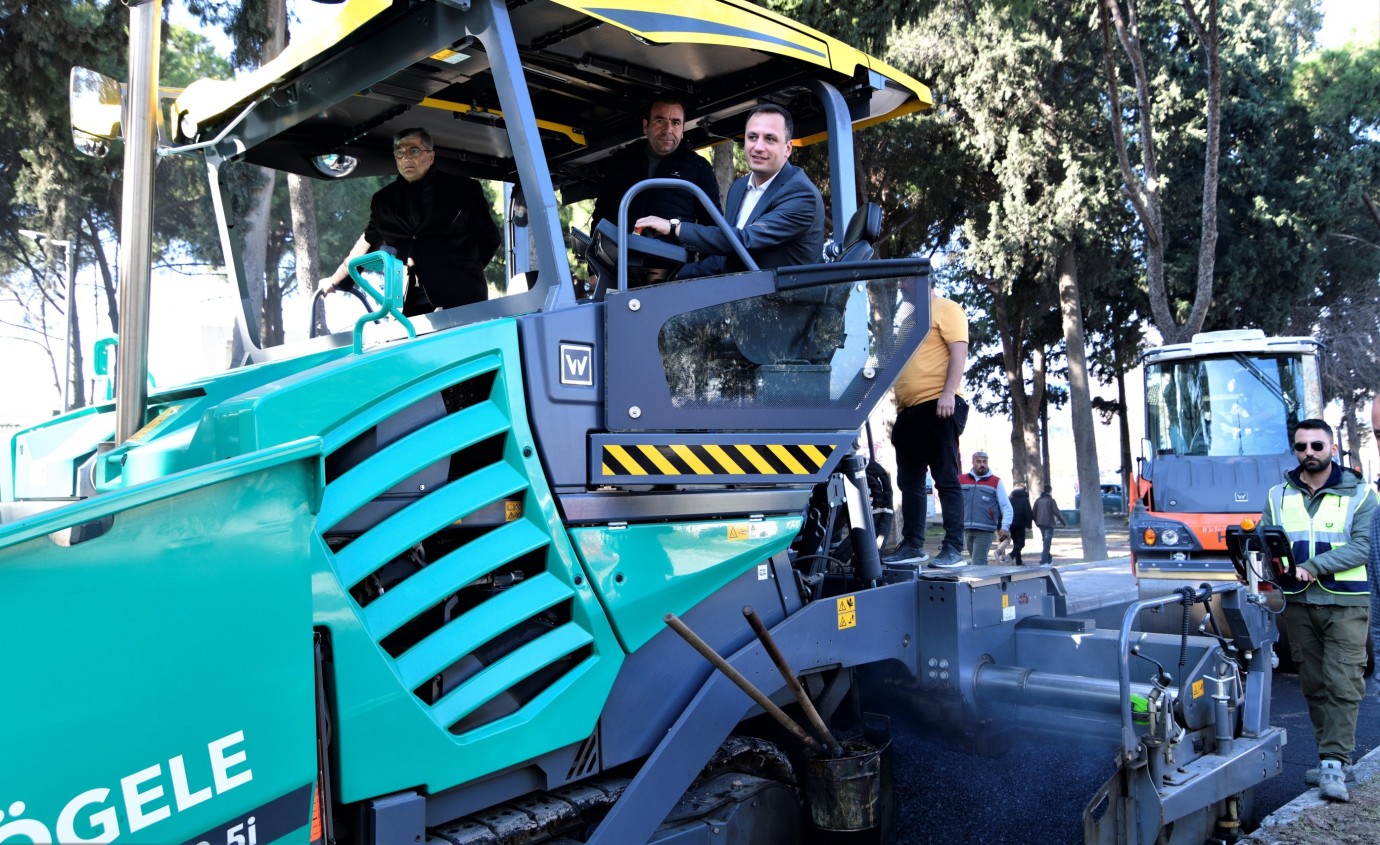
point(258, 274)
point(76, 396)
point(273, 297)
point(1209, 36)
point(1091, 524)
point(1370, 206)
point(306, 258)
point(112, 300)
point(1025, 407)
point(1143, 187)
point(1124, 426)
point(1349, 433)
point(723, 170)
point(254, 225)
point(1032, 432)
point(1044, 442)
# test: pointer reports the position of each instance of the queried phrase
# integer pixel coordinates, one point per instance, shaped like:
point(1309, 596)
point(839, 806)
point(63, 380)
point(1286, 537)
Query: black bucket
point(848, 793)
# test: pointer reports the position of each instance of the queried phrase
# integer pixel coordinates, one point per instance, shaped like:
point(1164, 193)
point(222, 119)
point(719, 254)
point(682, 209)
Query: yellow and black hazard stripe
point(647, 460)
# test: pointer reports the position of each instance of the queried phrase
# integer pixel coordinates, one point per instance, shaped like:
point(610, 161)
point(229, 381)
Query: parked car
point(1111, 499)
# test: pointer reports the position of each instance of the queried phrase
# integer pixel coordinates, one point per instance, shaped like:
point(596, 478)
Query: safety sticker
point(738, 531)
point(763, 572)
point(1198, 689)
point(512, 510)
point(155, 422)
point(848, 612)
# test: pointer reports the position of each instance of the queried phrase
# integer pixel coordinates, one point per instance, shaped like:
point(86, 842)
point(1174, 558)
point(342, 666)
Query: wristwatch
point(675, 224)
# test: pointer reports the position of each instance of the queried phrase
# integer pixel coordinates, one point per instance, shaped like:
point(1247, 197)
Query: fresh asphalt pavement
point(1035, 794)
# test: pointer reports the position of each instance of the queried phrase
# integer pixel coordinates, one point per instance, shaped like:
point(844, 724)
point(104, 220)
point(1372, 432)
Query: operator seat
point(862, 231)
point(794, 337)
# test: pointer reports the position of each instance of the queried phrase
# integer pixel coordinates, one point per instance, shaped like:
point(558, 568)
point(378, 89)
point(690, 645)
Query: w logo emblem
point(577, 364)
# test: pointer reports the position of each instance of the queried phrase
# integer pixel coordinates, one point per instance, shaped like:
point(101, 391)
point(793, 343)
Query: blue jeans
point(1047, 537)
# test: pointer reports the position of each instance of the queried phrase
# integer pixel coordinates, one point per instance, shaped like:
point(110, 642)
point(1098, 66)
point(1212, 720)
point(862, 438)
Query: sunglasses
point(1316, 446)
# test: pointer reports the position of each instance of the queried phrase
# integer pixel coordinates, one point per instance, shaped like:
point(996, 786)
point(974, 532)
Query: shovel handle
point(769, 643)
point(675, 624)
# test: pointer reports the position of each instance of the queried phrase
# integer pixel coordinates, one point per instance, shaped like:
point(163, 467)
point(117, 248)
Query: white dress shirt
point(751, 198)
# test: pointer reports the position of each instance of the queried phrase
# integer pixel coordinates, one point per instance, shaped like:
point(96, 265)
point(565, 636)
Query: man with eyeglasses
point(438, 223)
point(1327, 511)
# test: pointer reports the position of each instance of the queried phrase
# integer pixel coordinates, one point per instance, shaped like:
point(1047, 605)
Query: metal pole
point(71, 327)
point(136, 234)
point(843, 181)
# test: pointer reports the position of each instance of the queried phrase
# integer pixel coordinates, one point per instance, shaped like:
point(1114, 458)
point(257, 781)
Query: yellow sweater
point(922, 379)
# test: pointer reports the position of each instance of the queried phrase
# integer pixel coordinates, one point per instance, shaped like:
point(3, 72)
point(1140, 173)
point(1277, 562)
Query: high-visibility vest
point(1312, 534)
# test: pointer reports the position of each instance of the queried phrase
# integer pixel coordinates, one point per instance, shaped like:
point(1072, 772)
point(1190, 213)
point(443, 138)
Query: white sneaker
point(1331, 781)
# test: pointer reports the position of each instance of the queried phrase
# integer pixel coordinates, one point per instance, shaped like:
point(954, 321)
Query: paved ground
point(1067, 546)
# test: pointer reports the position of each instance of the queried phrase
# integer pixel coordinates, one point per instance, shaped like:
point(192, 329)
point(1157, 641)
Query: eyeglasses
point(408, 152)
point(1316, 446)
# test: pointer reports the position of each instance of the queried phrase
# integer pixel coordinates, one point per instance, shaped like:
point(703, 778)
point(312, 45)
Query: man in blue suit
point(775, 210)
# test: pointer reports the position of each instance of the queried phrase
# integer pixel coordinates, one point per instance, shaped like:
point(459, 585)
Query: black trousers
point(1017, 542)
point(927, 442)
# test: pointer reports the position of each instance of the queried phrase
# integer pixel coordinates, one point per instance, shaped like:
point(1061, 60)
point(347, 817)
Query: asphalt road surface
point(1036, 793)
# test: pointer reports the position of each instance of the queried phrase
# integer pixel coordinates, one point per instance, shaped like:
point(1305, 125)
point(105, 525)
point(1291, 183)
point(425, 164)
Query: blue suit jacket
point(786, 228)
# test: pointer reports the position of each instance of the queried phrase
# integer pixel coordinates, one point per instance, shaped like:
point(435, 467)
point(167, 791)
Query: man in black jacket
point(665, 155)
point(1022, 517)
point(438, 223)
point(776, 211)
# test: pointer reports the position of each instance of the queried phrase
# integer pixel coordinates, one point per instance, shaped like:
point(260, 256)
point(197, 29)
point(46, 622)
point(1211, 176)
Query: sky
point(199, 311)
point(1346, 20)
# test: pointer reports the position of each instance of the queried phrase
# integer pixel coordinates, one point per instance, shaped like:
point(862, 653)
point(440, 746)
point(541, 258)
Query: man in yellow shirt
point(929, 393)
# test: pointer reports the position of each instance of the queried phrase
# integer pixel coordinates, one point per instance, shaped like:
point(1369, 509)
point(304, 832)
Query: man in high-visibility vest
point(1326, 511)
point(1375, 550)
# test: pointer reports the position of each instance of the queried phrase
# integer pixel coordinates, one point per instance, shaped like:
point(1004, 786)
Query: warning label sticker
point(848, 612)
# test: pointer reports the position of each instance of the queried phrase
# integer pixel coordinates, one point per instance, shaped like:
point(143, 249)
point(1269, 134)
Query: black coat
point(632, 165)
point(443, 224)
point(1021, 514)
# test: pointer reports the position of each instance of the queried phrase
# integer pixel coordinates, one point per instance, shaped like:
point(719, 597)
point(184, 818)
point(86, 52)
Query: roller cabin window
point(1233, 405)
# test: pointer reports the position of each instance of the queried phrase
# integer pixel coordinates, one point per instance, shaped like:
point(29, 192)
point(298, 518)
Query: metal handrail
point(674, 184)
point(1129, 743)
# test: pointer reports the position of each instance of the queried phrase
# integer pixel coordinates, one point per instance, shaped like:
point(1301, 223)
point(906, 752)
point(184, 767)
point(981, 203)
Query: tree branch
point(1370, 204)
point(1209, 37)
